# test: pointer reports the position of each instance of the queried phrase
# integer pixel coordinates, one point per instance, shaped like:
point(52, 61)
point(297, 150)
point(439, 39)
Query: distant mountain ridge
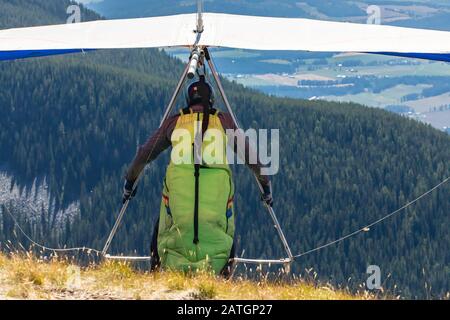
point(411, 13)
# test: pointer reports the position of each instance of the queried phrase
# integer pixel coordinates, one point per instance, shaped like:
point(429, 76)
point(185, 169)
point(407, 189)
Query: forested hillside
point(78, 120)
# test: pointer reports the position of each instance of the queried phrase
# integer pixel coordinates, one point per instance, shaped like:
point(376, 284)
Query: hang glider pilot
point(195, 229)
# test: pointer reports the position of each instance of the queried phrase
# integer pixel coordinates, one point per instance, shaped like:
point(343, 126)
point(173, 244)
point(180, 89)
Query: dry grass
point(25, 277)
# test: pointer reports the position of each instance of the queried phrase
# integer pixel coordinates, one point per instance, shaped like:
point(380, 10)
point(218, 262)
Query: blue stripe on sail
point(428, 56)
point(23, 54)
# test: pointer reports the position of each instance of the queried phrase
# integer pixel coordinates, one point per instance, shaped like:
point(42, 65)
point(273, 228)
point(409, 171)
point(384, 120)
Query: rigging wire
point(89, 250)
point(363, 229)
point(367, 227)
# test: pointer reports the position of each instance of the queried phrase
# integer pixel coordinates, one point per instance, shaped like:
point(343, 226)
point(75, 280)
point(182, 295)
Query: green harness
point(202, 239)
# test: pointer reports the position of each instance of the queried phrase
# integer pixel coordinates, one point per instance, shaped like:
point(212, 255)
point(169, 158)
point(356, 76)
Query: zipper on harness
point(196, 204)
point(197, 187)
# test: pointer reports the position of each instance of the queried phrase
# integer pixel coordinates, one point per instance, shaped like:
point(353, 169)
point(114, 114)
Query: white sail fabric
point(224, 30)
point(104, 34)
point(261, 33)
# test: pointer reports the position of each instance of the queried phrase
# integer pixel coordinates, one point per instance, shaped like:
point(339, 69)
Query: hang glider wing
point(261, 33)
point(170, 31)
point(224, 30)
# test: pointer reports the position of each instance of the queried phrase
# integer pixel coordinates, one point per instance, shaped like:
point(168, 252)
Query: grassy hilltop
point(26, 277)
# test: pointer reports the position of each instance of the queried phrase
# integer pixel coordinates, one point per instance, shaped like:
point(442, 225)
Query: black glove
point(128, 192)
point(267, 196)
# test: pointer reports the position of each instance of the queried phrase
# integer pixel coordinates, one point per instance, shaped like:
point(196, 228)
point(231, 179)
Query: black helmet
point(200, 92)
